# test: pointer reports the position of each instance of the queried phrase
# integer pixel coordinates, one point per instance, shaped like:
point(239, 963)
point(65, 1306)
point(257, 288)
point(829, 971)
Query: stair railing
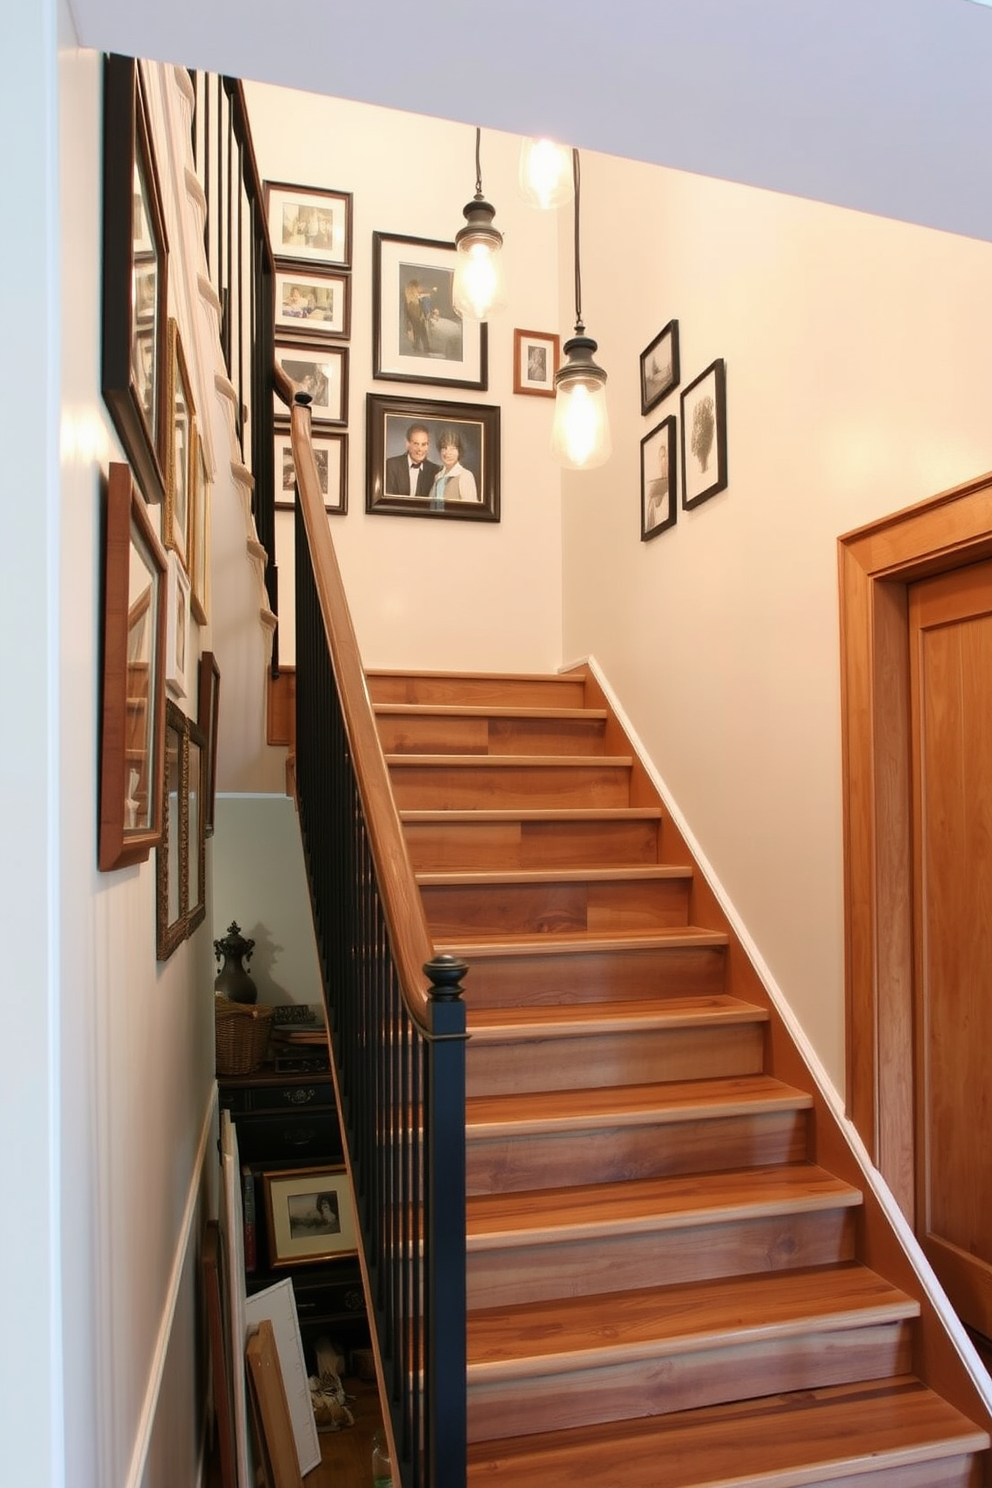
point(395, 1012)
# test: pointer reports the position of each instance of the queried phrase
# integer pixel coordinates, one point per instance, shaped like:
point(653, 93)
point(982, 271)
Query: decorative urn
point(234, 979)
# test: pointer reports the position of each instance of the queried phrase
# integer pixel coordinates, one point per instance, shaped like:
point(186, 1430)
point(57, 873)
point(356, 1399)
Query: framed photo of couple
point(417, 334)
point(432, 459)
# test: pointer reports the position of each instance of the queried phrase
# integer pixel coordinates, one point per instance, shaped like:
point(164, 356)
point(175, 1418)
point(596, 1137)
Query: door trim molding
point(877, 564)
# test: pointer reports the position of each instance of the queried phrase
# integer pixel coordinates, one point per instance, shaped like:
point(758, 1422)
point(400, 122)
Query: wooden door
point(950, 635)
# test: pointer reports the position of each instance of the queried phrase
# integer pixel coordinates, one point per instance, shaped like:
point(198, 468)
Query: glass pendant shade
point(580, 434)
point(479, 287)
point(545, 173)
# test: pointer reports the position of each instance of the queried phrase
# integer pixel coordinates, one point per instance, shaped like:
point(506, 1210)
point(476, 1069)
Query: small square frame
point(309, 224)
point(321, 371)
point(660, 366)
point(330, 452)
point(704, 435)
point(659, 494)
point(300, 1227)
point(536, 359)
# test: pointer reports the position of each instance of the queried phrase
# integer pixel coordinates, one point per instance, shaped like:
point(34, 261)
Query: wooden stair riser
point(620, 1389)
point(433, 733)
point(549, 908)
point(507, 1275)
point(446, 846)
point(478, 690)
point(512, 979)
point(462, 787)
point(502, 1163)
point(599, 1059)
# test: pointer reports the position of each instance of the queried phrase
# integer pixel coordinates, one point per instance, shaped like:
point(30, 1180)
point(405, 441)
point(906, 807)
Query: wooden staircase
point(669, 1284)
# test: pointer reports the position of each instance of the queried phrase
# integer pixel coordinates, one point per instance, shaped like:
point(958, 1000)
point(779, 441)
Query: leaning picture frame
point(312, 302)
point(704, 435)
point(308, 223)
point(181, 853)
point(536, 357)
point(659, 463)
point(660, 370)
point(460, 448)
point(310, 1215)
point(330, 452)
point(133, 693)
point(321, 371)
point(135, 277)
point(417, 334)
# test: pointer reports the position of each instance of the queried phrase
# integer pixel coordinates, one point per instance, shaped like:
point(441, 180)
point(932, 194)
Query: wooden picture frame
point(476, 426)
point(134, 642)
point(208, 717)
point(309, 224)
point(331, 457)
point(321, 371)
point(704, 436)
point(660, 370)
point(181, 854)
point(417, 334)
point(178, 639)
point(199, 568)
point(312, 302)
point(218, 1340)
point(659, 493)
point(310, 1215)
point(135, 277)
point(179, 429)
point(270, 1410)
point(536, 359)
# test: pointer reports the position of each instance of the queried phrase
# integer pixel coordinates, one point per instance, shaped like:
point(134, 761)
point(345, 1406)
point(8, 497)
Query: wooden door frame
point(877, 564)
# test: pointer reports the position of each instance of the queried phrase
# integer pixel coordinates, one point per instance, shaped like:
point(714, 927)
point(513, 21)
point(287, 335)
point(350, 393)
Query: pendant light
point(545, 173)
point(479, 290)
point(580, 435)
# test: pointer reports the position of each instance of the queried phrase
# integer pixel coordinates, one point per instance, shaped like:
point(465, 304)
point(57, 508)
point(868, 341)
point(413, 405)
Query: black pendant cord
point(478, 163)
point(579, 327)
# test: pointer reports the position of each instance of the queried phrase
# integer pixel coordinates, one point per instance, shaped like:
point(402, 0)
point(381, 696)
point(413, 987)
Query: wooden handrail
point(403, 908)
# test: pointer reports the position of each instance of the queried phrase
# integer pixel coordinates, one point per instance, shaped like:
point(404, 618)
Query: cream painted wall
point(260, 882)
point(859, 381)
point(433, 593)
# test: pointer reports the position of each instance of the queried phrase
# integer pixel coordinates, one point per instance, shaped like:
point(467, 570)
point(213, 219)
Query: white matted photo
point(321, 371)
point(418, 335)
point(309, 223)
point(330, 452)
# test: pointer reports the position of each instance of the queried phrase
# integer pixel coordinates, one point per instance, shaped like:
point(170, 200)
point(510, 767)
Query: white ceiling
point(881, 105)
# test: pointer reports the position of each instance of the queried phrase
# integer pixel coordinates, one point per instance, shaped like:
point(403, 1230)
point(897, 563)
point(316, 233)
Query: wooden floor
point(346, 1456)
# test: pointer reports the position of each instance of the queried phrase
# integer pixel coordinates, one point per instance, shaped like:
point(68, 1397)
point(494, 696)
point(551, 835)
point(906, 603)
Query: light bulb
point(545, 173)
point(580, 435)
point(478, 290)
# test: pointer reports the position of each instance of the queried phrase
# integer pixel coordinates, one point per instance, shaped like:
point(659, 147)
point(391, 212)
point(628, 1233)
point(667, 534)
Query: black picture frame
point(309, 224)
point(704, 435)
point(659, 494)
point(320, 369)
point(478, 427)
point(135, 277)
point(660, 367)
point(330, 449)
point(312, 301)
point(417, 335)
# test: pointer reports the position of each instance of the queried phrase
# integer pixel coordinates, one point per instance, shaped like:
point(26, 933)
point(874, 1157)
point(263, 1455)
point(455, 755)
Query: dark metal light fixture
point(478, 290)
point(580, 435)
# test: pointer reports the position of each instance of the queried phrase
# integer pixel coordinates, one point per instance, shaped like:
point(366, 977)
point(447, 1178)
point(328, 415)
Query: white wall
point(433, 593)
point(858, 382)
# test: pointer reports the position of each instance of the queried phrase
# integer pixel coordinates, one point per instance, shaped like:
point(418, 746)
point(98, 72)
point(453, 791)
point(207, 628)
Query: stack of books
point(298, 1039)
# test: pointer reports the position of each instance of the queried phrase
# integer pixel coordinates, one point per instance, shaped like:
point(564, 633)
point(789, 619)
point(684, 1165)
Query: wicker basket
point(242, 1035)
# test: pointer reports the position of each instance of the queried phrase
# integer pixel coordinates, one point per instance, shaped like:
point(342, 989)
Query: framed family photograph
point(133, 696)
point(659, 506)
point(704, 435)
point(321, 371)
point(330, 452)
point(135, 272)
point(417, 334)
point(660, 366)
point(177, 642)
point(432, 459)
point(536, 355)
point(311, 302)
point(181, 856)
point(309, 224)
point(310, 1215)
point(179, 423)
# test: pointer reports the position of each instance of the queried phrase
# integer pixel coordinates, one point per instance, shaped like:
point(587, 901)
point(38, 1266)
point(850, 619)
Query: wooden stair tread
point(572, 1019)
point(638, 873)
point(780, 1441)
point(538, 1337)
point(545, 1110)
point(423, 817)
point(440, 674)
point(581, 942)
point(516, 761)
point(477, 710)
point(596, 1209)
